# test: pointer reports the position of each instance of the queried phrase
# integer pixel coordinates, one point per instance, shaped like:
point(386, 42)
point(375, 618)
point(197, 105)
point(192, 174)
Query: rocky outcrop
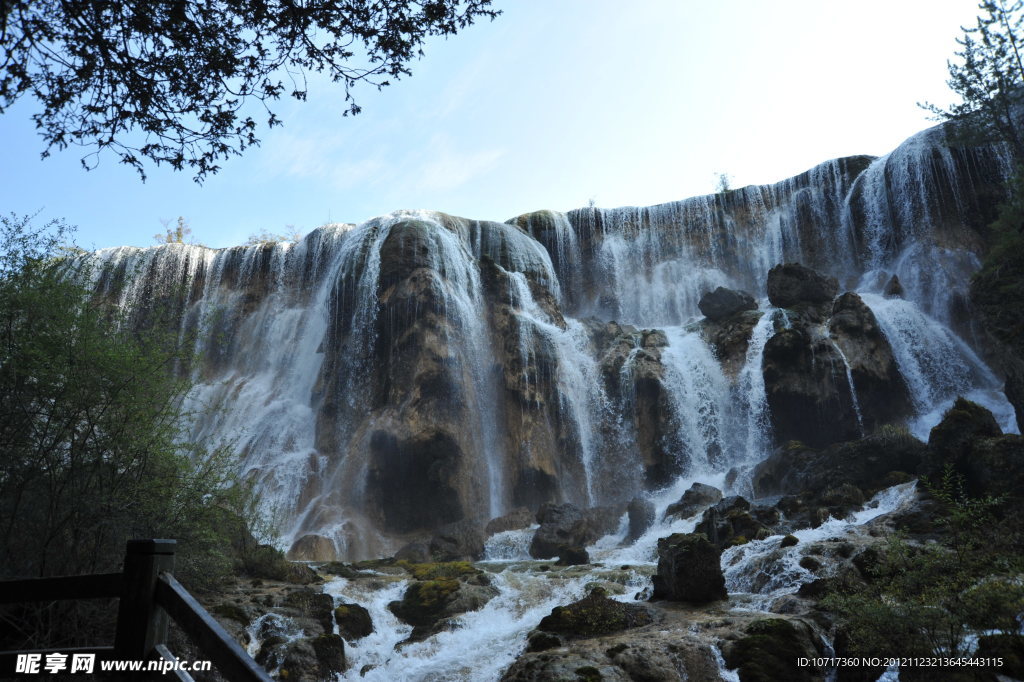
point(353, 621)
point(792, 284)
point(566, 525)
point(440, 592)
point(689, 570)
point(733, 522)
point(770, 650)
point(595, 614)
point(722, 303)
point(881, 393)
point(459, 541)
point(641, 515)
point(809, 397)
point(514, 520)
point(696, 499)
point(730, 338)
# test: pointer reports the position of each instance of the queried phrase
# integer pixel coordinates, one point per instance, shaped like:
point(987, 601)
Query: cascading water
point(478, 361)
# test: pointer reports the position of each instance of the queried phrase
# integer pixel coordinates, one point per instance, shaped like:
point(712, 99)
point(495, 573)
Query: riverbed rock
point(516, 519)
point(353, 621)
point(770, 650)
point(595, 614)
point(566, 525)
point(689, 570)
point(722, 303)
point(730, 522)
point(459, 541)
point(696, 499)
point(882, 394)
point(790, 284)
point(641, 515)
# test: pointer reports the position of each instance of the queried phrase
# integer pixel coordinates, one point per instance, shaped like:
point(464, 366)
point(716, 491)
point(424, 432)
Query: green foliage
point(91, 427)
point(989, 79)
point(722, 185)
point(168, 82)
point(291, 234)
point(175, 235)
point(924, 600)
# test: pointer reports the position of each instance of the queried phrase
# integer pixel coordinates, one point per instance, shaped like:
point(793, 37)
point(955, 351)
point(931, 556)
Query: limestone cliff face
point(386, 379)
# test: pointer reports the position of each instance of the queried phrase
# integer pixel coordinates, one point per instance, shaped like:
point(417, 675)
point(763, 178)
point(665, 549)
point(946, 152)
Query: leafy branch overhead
point(989, 78)
point(169, 81)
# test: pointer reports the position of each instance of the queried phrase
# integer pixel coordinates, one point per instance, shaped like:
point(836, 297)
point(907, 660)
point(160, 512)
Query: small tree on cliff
point(990, 79)
point(166, 80)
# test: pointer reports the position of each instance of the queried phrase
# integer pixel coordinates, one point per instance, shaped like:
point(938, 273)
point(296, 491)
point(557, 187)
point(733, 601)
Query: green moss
point(440, 570)
point(232, 611)
point(789, 541)
point(738, 540)
point(424, 601)
point(769, 652)
point(595, 614)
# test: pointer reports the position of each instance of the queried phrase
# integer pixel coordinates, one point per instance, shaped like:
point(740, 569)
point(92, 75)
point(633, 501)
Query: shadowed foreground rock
point(689, 569)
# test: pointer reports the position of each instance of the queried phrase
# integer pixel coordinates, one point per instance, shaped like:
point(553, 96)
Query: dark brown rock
point(566, 525)
point(790, 284)
point(514, 520)
point(641, 516)
point(353, 621)
point(722, 303)
point(696, 499)
point(595, 614)
point(689, 570)
point(459, 541)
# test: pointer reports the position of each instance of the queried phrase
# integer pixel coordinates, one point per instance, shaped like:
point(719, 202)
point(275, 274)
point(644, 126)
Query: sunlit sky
point(554, 104)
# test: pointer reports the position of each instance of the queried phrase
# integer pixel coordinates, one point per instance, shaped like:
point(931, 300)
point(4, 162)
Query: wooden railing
point(147, 594)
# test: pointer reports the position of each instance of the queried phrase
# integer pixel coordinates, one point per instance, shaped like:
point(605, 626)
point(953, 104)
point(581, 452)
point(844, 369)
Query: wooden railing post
point(141, 623)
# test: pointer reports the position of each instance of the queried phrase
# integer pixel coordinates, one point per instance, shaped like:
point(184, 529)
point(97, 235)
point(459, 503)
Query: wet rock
point(312, 604)
point(807, 390)
point(729, 338)
point(566, 524)
point(882, 393)
point(893, 288)
point(353, 621)
point(300, 662)
point(572, 556)
point(427, 604)
point(813, 479)
point(541, 667)
point(312, 547)
point(789, 541)
point(689, 569)
point(515, 520)
point(969, 439)
point(330, 655)
point(416, 552)
point(641, 516)
point(696, 499)
point(595, 614)
point(770, 649)
point(790, 284)
point(722, 303)
point(730, 522)
point(459, 541)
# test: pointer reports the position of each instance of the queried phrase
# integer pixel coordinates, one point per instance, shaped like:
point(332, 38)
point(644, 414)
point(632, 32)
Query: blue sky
point(553, 104)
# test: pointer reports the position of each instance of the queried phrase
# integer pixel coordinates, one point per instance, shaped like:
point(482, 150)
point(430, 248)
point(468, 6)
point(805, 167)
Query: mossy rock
point(789, 541)
point(313, 604)
point(341, 569)
point(353, 621)
point(769, 653)
point(231, 610)
point(424, 601)
point(330, 654)
point(593, 615)
point(440, 570)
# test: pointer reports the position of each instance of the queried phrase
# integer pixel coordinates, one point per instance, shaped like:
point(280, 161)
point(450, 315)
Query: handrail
point(96, 586)
point(231, 659)
point(147, 594)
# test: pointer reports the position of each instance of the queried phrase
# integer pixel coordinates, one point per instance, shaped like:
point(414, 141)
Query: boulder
point(572, 556)
point(595, 614)
point(730, 522)
point(770, 649)
point(722, 303)
point(641, 517)
point(893, 288)
point(353, 621)
point(729, 338)
point(807, 390)
point(689, 569)
point(312, 547)
point(790, 284)
point(459, 541)
point(696, 499)
point(881, 392)
point(330, 655)
point(312, 604)
point(416, 552)
point(514, 520)
point(566, 525)
point(428, 604)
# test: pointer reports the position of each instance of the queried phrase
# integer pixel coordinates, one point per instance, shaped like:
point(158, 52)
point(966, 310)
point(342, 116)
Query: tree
point(990, 79)
point(167, 80)
point(176, 235)
point(92, 435)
